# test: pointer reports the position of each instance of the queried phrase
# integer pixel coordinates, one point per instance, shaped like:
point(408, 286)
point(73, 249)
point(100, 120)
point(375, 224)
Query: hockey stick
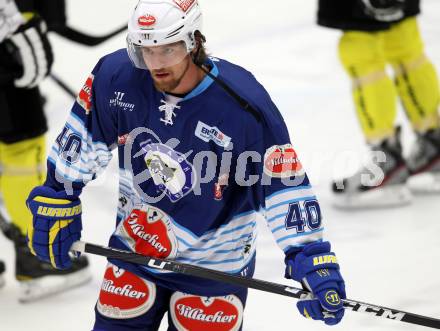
point(9, 230)
point(4, 224)
point(85, 39)
point(187, 269)
point(57, 80)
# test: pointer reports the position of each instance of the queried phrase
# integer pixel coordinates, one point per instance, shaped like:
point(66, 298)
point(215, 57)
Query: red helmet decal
point(281, 161)
point(185, 5)
point(190, 312)
point(146, 21)
point(148, 232)
point(124, 295)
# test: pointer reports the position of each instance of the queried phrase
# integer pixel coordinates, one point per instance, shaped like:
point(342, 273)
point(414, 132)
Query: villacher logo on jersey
point(152, 239)
point(117, 101)
point(127, 290)
point(200, 315)
point(190, 312)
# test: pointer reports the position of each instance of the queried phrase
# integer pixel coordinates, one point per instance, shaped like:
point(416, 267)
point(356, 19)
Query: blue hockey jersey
point(194, 172)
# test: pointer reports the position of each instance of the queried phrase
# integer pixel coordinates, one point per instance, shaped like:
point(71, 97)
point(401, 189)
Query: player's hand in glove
point(31, 53)
point(10, 18)
point(384, 10)
point(56, 225)
point(317, 269)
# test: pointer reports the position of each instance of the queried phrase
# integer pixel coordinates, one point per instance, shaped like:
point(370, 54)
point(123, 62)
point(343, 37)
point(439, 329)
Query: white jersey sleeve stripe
point(290, 189)
point(299, 235)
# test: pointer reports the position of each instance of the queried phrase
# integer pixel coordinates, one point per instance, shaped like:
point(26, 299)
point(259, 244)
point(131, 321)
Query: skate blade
point(387, 196)
point(425, 183)
point(43, 287)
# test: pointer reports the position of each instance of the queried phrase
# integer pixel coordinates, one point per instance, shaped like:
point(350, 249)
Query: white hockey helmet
point(161, 32)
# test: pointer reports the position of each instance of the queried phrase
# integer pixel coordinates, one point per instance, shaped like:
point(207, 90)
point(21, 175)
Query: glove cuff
point(49, 192)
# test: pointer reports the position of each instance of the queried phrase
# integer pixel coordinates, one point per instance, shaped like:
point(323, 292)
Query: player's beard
point(174, 78)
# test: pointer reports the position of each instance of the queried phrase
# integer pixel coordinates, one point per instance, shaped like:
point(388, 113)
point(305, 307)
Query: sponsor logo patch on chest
point(208, 133)
point(148, 231)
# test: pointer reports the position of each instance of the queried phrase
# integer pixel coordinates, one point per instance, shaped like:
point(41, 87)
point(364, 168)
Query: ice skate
point(381, 183)
point(2, 272)
point(424, 163)
point(39, 279)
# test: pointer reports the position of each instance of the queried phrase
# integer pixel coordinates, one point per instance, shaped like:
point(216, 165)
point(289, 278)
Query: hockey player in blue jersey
point(203, 151)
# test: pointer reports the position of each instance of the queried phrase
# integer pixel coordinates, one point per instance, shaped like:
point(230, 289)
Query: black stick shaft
point(63, 85)
point(183, 268)
point(82, 38)
point(11, 231)
point(4, 224)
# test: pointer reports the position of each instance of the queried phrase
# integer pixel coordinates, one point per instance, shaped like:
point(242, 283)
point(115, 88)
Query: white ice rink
point(388, 257)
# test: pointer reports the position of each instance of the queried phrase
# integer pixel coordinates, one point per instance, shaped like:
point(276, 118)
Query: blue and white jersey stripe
point(227, 248)
point(90, 157)
point(277, 213)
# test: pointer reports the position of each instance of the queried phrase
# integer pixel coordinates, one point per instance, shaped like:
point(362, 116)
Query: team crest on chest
point(171, 172)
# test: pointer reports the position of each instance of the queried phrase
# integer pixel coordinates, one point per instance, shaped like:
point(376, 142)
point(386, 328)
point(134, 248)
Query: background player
point(25, 59)
point(172, 203)
point(377, 33)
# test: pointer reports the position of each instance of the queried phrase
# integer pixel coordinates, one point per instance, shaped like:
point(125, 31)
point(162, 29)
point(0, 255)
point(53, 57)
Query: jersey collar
point(205, 83)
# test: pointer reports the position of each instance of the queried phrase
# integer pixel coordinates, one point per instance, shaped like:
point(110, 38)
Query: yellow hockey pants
point(365, 56)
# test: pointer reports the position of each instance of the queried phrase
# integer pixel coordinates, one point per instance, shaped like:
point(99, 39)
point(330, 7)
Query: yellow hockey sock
point(416, 78)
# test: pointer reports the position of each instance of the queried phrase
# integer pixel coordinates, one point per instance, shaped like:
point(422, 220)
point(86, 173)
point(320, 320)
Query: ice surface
point(388, 257)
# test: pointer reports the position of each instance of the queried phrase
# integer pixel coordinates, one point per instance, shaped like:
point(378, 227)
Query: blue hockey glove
point(55, 226)
point(317, 269)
